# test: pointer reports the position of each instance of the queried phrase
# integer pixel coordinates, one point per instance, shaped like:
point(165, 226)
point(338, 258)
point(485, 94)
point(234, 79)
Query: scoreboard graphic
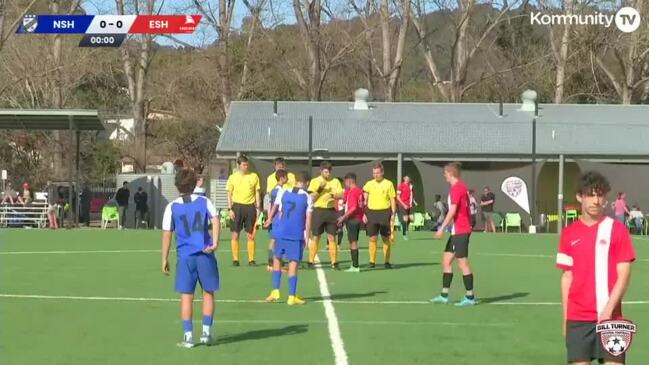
point(108, 30)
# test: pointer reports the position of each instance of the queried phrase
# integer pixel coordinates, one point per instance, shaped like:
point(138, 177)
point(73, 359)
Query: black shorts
point(353, 229)
point(459, 245)
point(584, 344)
point(378, 221)
point(404, 211)
point(245, 216)
point(324, 220)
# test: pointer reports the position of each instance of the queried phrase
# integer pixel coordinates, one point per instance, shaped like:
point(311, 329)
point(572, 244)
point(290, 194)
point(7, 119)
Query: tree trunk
point(314, 50)
point(310, 29)
point(386, 44)
point(391, 70)
point(136, 78)
point(224, 55)
point(459, 61)
point(56, 102)
point(561, 57)
point(3, 10)
point(435, 79)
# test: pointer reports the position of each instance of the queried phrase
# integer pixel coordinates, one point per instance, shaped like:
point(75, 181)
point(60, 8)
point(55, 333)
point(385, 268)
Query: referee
point(324, 190)
point(381, 207)
point(244, 203)
point(271, 182)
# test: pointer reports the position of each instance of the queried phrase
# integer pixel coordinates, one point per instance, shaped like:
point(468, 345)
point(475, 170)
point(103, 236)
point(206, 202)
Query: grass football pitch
point(98, 297)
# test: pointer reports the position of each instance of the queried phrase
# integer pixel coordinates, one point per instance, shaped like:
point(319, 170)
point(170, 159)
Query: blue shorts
point(291, 249)
point(200, 268)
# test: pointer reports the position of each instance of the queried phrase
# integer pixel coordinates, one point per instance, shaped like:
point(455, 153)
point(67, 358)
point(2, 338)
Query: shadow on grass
point(348, 296)
point(263, 334)
point(502, 298)
point(404, 265)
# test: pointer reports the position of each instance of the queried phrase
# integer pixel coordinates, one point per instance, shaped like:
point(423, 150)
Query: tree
point(4, 34)
point(255, 8)
point(469, 35)
point(560, 53)
point(222, 26)
point(391, 65)
point(625, 65)
point(100, 160)
point(136, 58)
point(61, 141)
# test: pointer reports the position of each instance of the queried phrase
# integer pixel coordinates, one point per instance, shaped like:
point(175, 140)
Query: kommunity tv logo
point(626, 19)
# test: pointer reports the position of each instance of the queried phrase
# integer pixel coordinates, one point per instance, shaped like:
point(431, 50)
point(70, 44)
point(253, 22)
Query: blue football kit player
point(272, 220)
point(189, 217)
point(290, 234)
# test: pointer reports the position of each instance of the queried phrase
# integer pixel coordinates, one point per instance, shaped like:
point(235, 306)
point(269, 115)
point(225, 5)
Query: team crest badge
point(616, 335)
point(514, 187)
point(30, 22)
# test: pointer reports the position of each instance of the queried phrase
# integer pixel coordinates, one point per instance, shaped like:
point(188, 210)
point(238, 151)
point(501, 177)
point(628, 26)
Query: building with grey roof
point(487, 137)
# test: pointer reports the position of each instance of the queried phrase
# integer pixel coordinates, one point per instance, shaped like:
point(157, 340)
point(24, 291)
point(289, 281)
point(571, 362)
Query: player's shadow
point(263, 334)
point(502, 298)
point(348, 296)
point(407, 265)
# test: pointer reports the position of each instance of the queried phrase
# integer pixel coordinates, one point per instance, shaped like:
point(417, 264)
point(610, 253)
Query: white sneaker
point(187, 342)
point(206, 339)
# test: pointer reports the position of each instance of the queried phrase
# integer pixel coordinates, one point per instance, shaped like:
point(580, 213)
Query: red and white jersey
point(459, 195)
point(592, 254)
point(405, 194)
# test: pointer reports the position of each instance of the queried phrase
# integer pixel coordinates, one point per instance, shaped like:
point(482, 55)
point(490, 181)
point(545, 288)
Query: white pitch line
point(386, 302)
point(340, 355)
point(121, 299)
point(515, 255)
point(528, 255)
point(74, 252)
point(378, 323)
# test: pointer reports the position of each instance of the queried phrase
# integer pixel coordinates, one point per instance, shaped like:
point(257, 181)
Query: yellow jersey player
point(324, 190)
point(380, 196)
point(244, 204)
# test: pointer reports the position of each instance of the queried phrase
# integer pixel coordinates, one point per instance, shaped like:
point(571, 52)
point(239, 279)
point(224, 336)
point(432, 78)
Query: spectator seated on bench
point(10, 195)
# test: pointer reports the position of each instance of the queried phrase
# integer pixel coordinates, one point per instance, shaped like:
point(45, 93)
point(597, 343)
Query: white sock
point(188, 336)
point(206, 329)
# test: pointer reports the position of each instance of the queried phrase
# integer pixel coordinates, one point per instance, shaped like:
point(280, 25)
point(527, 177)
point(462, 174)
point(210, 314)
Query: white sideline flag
point(515, 188)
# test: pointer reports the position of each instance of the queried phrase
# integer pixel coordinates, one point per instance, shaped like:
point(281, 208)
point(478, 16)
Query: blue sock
point(292, 285)
point(277, 278)
point(207, 324)
point(207, 320)
point(187, 326)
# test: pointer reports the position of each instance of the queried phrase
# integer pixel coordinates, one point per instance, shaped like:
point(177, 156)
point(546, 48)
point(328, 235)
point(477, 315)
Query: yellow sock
point(235, 250)
point(333, 252)
point(251, 250)
point(372, 249)
point(313, 250)
point(387, 249)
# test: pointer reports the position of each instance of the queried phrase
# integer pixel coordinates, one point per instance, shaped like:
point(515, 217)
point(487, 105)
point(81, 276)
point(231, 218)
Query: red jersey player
point(595, 254)
point(406, 202)
point(457, 246)
point(354, 211)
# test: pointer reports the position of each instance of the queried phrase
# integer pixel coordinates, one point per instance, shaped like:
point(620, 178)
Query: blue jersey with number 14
point(189, 217)
point(294, 205)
